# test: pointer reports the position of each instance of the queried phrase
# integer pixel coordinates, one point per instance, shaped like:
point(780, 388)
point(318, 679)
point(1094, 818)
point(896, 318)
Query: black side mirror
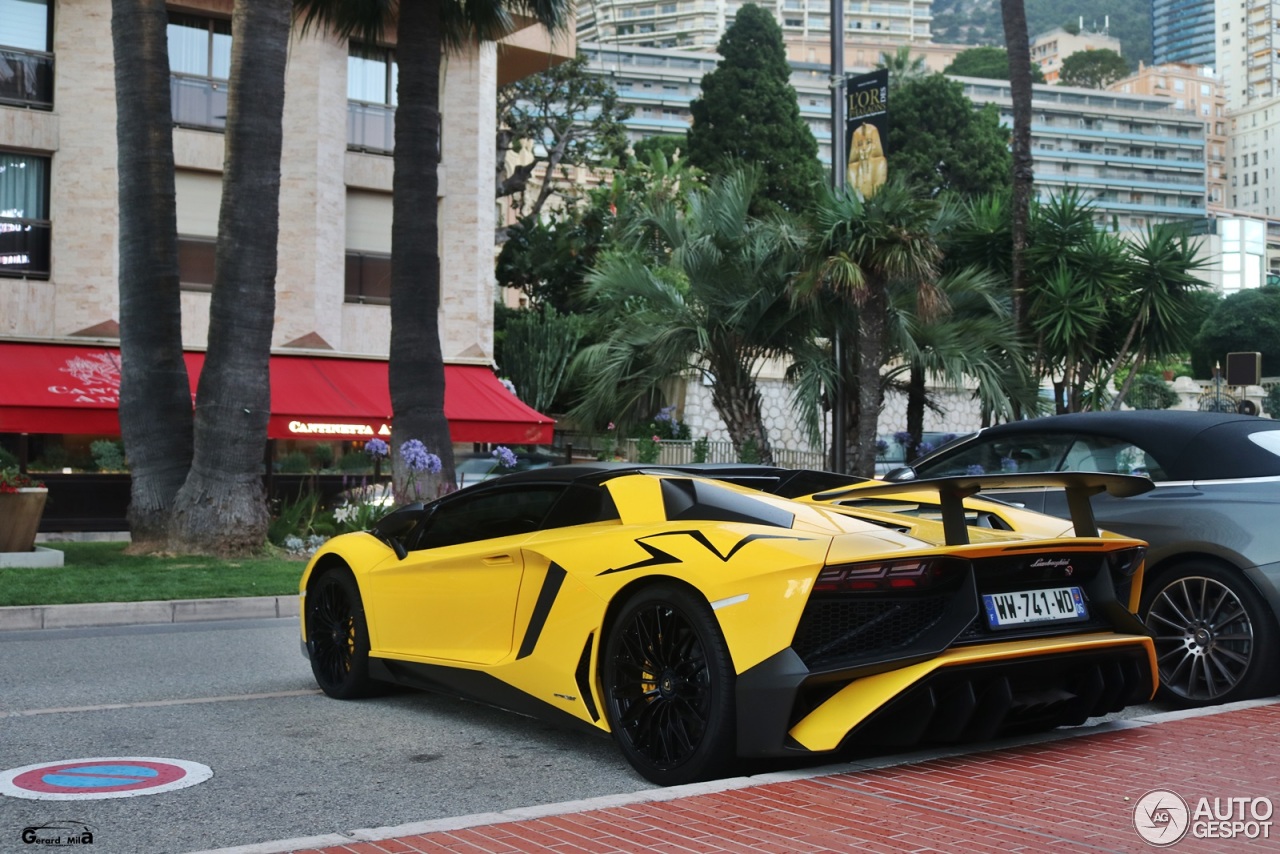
point(392, 527)
point(900, 474)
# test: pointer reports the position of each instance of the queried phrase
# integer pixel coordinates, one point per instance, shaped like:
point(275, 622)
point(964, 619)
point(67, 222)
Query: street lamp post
point(838, 427)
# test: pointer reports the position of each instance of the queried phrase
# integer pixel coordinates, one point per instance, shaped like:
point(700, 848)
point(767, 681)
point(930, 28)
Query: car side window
point(497, 513)
point(993, 455)
point(1112, 456)
point(582, 504)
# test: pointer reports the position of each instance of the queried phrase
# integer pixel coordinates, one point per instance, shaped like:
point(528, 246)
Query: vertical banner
point(867, 130)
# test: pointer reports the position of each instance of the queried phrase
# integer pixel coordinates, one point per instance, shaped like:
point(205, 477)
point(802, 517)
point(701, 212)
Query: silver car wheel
point(1203, 636)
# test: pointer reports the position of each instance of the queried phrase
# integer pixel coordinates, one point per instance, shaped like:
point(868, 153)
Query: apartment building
point(1049, 49)
point(1183, 31)
point(58, 206)
point(698, 24)
point(1138, 158)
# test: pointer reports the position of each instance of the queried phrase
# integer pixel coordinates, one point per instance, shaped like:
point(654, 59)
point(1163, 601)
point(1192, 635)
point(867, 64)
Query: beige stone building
point(1049, 49)
point(58, 206)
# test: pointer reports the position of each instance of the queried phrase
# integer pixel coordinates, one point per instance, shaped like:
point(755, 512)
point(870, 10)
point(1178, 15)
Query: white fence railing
point(675, 452)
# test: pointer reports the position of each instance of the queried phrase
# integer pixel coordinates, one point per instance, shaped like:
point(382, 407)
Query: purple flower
point(902, 437)
point(882, 447)
point(975, 469)
point(377, 449)
point(505, 457)
point(418, 459)
point(1008, 464)
point(925, 447)
point(665, 413)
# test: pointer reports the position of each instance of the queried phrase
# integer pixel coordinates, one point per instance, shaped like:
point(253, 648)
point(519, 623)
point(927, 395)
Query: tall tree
point(1093, 69)
point(859, 249)
point(702, 289)
point(748, 115)
point(940, 142)
point(989, 62)
point(1014, 15)
point(903, 67)
point(155, 393)
point(551, 121)
point(424, 32)
point(222, 508)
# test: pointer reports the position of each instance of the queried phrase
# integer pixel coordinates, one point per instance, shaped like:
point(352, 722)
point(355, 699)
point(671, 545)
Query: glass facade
point(1182, 31)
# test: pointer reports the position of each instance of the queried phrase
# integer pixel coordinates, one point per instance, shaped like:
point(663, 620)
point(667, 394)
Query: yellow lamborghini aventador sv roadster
point(700, 621)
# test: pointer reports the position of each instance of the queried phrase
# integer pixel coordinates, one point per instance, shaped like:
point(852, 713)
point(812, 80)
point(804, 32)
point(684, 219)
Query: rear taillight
point(888, 576)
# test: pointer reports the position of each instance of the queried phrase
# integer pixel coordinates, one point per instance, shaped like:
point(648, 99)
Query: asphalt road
point(287, 762)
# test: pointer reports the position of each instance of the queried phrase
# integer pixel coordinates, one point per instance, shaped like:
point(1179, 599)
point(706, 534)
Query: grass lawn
point(102, 572)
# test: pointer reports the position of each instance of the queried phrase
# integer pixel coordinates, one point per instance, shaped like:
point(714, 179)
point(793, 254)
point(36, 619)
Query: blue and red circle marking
point(103, 777)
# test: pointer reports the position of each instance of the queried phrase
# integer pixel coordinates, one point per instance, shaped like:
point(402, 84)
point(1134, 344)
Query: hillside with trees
point(977, 22)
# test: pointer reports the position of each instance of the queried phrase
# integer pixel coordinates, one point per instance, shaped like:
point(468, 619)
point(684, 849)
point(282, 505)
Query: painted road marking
point(101, 777)
point(148, 704)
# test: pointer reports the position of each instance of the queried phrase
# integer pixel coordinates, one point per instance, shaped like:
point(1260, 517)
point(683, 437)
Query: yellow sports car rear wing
point(952, 491)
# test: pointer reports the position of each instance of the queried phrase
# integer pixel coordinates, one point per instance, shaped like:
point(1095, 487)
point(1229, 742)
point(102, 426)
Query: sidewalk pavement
point(1211, 775)
point(1083, 790)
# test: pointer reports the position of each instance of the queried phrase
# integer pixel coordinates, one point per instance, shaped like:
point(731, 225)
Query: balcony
point(198, 102)
point(24, 248)
point(371, 127)
point(26, 78)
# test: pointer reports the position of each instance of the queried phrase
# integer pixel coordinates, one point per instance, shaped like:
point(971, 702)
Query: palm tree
point(973, 339)
point(702, 289)
point(858, 249)
point(1162, 281)
point(221, 508)
point(155, 394)
point(424, 32)
point(903, 67)
point(1018, 46)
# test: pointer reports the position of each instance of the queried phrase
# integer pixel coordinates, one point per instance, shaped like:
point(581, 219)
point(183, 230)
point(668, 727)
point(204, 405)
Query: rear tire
point(669, 687)
point(1216, 639)
point(338, 637)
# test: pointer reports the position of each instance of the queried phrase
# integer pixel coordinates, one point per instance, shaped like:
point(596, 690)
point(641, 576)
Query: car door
point(454, 596)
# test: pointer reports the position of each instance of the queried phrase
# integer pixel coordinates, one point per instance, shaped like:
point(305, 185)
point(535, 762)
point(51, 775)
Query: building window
point(368, 278)
point(26, 63)
point(372, 82)
point(199, 67)
point(195, 262)
point(24, 215)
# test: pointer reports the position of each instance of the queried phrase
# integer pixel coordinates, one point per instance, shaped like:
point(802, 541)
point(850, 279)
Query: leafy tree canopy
point(560, 118)
point(1242, 323)
point(749, 114)
point(989, 62)
point(1094, 69)
point(939, 141)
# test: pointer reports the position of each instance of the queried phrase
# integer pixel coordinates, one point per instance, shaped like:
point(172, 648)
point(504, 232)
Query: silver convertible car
point(1211, 595)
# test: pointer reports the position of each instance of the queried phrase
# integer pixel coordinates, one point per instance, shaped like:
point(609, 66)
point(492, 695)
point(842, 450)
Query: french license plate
point(1034, 606)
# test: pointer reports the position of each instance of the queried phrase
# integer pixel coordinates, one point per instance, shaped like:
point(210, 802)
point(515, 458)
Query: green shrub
point(749, 452)
point(323, 455)
point(1271, 403)
point(7, 460)
point(108, 455)
point(355, 464)
point(301, 518)
point(701, 449)
point(294, 462)
point(1150, 392)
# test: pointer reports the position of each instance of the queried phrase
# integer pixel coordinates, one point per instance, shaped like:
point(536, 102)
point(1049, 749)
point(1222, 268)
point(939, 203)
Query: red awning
point(57, 388)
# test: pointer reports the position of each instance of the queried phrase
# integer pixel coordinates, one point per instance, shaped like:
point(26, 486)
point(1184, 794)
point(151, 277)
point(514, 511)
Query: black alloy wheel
point(1215, 640)
point(337, 636)
point(668, 682)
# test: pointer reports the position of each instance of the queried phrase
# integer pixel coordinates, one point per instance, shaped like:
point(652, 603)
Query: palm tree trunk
point(915, 412)
point(736, 397)
point(416, 369)
point(871, 347)
point(221, 509)
point(155, 394)
point(1014, 15)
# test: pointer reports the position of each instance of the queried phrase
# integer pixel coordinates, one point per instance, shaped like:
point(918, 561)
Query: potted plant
point(21, 505)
